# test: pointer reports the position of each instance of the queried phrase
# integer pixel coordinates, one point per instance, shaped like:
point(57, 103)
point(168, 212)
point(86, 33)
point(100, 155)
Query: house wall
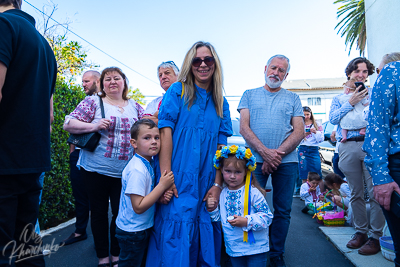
point(382, 21)
point(321, 112)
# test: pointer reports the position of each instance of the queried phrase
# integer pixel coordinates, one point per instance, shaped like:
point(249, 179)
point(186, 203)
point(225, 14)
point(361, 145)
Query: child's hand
point(211, 202)
point(311, 189)
point(238, 221)
point(166, 180)
point(168, 195)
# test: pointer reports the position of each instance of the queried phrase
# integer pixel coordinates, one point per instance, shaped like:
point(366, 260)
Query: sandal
point(114, 263)
point(104, 265)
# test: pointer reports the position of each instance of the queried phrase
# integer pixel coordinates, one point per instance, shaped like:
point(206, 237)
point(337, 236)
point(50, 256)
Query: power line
point(89, 42)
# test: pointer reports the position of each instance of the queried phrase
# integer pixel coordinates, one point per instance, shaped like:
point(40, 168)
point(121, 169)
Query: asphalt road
point(306, 245)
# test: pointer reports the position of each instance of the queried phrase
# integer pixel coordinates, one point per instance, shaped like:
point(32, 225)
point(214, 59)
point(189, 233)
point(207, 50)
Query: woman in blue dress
point(194, 120)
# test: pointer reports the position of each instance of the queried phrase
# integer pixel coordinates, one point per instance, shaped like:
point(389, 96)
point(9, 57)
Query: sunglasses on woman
point(307, 109)
point(209, 61)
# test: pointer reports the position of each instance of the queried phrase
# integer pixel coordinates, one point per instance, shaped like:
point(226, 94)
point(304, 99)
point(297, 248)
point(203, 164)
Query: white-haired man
point(167, 74)
point(271, 122)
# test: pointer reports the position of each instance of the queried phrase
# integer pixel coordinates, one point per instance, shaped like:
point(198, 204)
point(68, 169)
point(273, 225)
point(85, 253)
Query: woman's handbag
point(87, 141)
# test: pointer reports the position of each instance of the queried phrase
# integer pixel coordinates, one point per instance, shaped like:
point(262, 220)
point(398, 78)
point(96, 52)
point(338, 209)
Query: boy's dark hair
point(15, 3)
point(353, 65)
point(136, 126)
point(333, 178)
point(313, 176)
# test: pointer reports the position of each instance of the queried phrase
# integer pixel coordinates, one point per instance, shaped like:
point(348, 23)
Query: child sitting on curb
point(310, 192)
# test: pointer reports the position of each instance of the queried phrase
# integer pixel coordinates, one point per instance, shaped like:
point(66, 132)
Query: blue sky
point(245, 34)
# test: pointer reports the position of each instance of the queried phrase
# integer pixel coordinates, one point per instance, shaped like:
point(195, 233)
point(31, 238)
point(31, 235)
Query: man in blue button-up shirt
point(351, 163)
point(382, 144)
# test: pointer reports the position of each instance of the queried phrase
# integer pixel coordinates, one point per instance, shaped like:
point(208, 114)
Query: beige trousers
point(351, 163)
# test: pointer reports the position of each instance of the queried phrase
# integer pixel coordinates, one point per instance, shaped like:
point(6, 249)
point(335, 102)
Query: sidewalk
point(339, 236)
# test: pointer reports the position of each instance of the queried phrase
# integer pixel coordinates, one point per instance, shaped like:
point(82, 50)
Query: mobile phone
point(362, 86)
point(308, 130)
point(395, 203)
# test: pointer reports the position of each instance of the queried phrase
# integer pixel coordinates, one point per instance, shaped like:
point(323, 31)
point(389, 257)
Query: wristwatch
point(217, 185)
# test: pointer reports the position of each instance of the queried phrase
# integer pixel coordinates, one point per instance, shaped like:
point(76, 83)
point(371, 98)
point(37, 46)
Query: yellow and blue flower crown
point(239, 152)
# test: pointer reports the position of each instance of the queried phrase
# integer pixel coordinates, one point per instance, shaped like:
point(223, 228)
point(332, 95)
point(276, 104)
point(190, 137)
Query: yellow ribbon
point(246, 202)
point(183, 90)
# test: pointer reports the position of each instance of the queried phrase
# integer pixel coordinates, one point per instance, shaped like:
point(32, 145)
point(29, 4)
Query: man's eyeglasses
point(209, 61)
point(377, 71)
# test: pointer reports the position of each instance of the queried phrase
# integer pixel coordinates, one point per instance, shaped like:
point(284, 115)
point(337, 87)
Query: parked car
point(237, 139)
point(327, 147)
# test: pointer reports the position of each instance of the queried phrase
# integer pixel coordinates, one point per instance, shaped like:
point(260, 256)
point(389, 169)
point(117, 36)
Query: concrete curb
point(58, 227)
point(339, 236)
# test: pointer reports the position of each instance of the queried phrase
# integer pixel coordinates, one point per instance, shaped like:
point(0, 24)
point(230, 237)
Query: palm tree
point(353, 23)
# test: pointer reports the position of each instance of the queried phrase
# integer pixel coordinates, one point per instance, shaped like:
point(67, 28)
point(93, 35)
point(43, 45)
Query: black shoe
point(73, 239)
point(277, 261)
point(305, 210)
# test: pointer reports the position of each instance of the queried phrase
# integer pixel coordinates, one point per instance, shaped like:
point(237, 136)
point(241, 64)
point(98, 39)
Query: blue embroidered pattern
point(233, 203)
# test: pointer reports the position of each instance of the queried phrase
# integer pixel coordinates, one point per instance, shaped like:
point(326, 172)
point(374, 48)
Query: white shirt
point(306, 195)
point(258, 220)
point(137, 180)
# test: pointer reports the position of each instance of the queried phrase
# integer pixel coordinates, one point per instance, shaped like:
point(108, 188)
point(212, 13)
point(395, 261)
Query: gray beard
point(272, 84)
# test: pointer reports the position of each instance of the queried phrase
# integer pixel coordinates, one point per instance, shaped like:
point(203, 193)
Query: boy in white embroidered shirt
point(136, 209)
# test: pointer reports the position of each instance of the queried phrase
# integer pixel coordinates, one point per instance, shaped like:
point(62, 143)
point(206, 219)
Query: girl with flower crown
point(243, 210)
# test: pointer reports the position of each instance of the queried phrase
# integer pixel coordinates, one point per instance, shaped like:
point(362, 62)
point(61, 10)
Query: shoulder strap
point(102, 107)
point(183, 90)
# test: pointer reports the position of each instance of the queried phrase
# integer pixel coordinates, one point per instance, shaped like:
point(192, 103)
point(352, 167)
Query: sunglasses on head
point(169, 62)
point(209, 61)
point(307, 109)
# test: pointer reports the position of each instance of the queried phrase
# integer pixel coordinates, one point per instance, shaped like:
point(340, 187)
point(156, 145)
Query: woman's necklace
point(119, 107)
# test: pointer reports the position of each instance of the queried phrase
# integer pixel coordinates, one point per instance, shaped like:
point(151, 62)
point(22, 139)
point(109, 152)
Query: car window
point(329, 127)
point(236, 128)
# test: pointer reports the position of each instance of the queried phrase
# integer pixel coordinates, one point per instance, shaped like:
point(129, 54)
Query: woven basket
point(334, 222)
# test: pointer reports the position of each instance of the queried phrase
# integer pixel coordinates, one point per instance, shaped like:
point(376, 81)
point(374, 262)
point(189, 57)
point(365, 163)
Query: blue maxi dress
point(183, 233)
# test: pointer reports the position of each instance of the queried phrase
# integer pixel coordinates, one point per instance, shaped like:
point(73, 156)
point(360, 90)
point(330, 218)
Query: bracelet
point(217, 185)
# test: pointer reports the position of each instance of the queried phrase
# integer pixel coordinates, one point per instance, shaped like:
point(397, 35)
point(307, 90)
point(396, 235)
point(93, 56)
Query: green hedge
point(57, 200)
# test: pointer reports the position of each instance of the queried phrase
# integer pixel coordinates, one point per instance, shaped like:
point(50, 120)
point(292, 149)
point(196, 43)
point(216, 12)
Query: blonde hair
point(186, 76)
point(395, 56)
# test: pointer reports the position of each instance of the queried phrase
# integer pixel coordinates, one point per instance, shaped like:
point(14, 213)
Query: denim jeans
point(335, 163)
point(256, 260)
point(283, 181)
point(392, 220)
point(133, 246)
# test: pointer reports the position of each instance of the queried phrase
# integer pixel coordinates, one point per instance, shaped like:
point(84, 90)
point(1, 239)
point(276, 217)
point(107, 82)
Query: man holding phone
point(382, 145)
point(352, 165)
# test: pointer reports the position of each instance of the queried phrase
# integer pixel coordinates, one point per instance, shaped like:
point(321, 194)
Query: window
point(314, 101)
